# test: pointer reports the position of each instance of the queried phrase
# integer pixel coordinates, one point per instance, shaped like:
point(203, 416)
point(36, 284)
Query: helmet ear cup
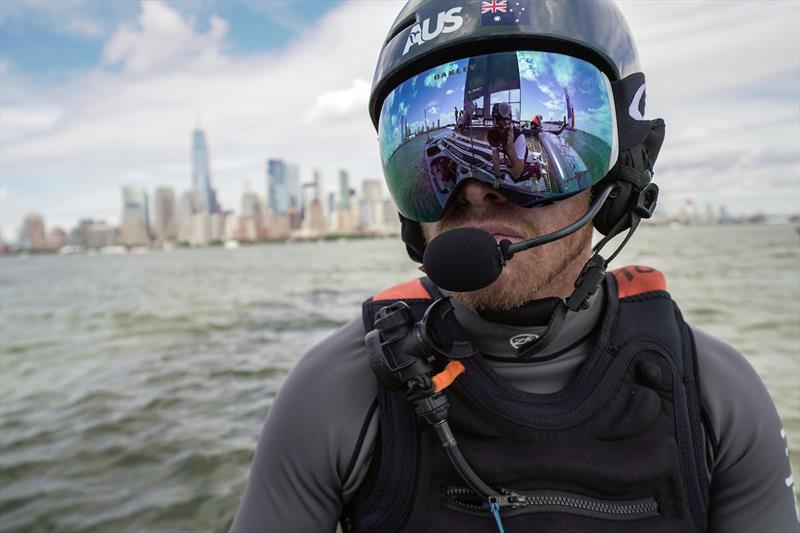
point(616, 206)
point(632, 173)
point(411, 233)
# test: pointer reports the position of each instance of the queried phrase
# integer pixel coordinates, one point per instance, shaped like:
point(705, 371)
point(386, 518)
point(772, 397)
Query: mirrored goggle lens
point(538, 126)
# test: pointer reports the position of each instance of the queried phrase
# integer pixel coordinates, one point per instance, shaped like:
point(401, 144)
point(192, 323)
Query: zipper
point(551, 501)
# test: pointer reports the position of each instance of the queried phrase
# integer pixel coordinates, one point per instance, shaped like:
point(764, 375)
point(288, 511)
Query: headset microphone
point(468, 259)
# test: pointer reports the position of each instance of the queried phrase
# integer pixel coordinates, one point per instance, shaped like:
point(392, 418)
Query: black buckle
point(592, 275)
point(647, 200)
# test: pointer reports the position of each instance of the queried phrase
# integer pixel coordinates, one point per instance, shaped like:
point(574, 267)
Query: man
point(508, 140)
point(578, 401)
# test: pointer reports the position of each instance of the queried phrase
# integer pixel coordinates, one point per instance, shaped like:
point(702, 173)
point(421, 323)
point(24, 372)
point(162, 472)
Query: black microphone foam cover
point(463, 260)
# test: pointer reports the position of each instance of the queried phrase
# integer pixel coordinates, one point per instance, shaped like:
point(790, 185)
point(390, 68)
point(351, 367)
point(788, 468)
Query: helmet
point(501, 110)
point(431, 33)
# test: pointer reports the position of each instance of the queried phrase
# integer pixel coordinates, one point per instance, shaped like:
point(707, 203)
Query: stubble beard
point(541, 272)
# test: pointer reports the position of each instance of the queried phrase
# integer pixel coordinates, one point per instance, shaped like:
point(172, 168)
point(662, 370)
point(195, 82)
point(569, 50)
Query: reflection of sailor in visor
point(505, 138)
point(536, 125)
point(444, 171)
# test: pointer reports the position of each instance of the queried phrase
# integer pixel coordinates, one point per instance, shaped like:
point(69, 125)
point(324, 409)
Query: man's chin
point(507, 292)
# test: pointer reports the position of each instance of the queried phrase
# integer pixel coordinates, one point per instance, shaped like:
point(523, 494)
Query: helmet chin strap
point(592, 274)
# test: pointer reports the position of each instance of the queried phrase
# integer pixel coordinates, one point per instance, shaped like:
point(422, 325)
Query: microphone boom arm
point(507, 249)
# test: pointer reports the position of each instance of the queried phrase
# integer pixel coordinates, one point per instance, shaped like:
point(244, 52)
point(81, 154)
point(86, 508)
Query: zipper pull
point(494, 508)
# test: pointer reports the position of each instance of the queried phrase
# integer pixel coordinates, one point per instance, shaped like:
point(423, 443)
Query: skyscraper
point(134, 228)
point(370, 206)
point(277, 187)
point(201, 173)
point(344, 190)
point(250, 205)
point(165, 226)
point(32, 235)
point(293, 185)
point(319, 189)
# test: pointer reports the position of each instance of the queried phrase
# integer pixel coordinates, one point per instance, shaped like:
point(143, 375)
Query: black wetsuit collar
point(531, 314)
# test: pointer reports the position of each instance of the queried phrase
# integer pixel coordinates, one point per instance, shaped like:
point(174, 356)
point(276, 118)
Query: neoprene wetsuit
point(320, 433)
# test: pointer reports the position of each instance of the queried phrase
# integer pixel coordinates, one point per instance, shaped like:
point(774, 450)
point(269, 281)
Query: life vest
point(619, 449)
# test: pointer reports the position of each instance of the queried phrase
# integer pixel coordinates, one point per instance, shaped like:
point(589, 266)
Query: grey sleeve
point(751, 480)
point(313, 435)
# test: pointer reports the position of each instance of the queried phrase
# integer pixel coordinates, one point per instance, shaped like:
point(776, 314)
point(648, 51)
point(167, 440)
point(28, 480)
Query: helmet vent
point(402, 25)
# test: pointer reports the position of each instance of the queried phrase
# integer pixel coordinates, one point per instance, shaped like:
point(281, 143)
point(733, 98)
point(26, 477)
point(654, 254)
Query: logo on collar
point(523, 339)
point(446, 22)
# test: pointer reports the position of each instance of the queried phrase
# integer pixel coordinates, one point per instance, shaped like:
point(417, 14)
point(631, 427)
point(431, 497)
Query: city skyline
point(97, 96)
point(289, 209)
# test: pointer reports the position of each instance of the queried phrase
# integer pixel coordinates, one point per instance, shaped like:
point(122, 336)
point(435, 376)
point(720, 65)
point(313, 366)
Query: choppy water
point(133, 388)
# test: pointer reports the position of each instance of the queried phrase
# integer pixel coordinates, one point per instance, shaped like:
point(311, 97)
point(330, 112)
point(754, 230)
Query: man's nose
point(479, 194)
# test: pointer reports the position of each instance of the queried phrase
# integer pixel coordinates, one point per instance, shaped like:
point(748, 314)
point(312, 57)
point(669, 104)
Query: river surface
point(133, 388)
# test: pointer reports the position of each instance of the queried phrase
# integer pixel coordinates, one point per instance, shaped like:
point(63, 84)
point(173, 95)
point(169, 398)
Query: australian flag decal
point(495, 12)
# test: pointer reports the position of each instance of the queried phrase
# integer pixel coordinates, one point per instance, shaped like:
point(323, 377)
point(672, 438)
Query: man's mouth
point(499, 232)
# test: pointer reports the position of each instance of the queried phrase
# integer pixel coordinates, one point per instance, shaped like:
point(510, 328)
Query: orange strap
point(405, 291)
point(638, 279)
point(443, 379)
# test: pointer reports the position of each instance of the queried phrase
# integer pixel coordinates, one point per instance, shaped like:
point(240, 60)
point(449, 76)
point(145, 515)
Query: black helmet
point(428, 33)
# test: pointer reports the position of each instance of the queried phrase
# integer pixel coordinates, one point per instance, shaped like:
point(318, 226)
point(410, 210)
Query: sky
point(97, 95)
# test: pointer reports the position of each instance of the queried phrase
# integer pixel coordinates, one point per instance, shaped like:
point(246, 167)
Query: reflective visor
point(451, 123)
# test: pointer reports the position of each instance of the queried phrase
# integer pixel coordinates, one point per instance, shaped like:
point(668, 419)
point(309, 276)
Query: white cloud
point(339, 103)
point(548, 91)
point(18, 121)
point(163, 38)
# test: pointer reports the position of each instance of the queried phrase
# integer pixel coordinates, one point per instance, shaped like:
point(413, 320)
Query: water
point(133, 388)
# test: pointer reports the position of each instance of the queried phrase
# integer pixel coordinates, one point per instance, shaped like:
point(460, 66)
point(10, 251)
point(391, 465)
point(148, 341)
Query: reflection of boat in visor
point(565, 163)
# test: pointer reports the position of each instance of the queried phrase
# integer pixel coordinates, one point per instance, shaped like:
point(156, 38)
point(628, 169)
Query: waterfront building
point(77, 237)
point(217, 224)
point(165, 224)
point(370, 206)
point(315, 221)
point(317, 186)
point(345, 216)
point(201, 173)
point(295, 218)
point(249, 229)
point(371, 190)
point(330, 205)
point(250, 205)
point(252, 217)
point(98, 234)
point(188, 205)
point(201, 229)
point(233, 228)
point(391, 218)
point(367, 220)
point(32, 234)
point(277, 187)
point(344, 190)
point(56, 239)
point(134, 228)
point(293, 185)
